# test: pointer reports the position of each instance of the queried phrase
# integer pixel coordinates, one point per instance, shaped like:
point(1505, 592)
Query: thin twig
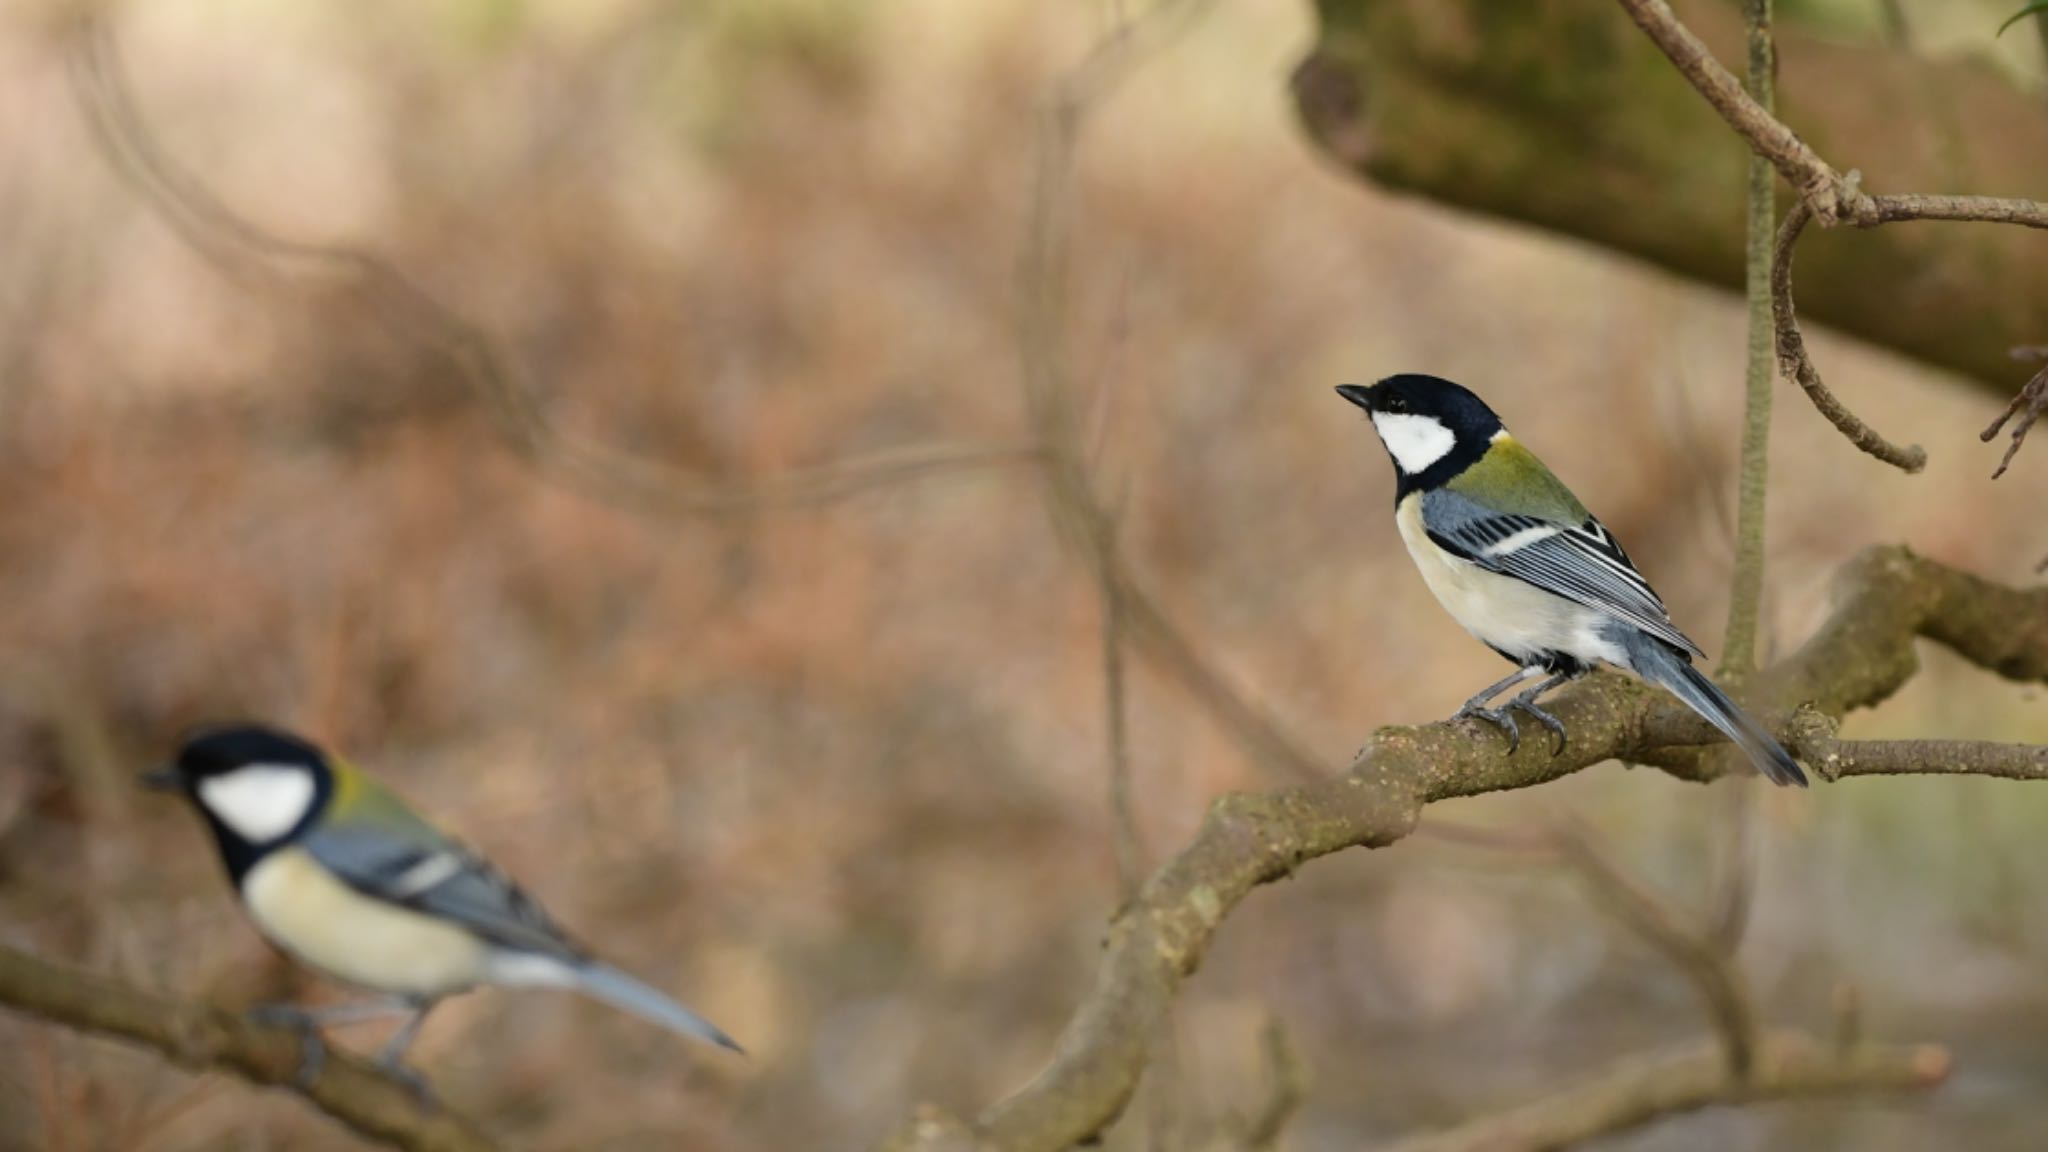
point(1123, 816)
point(1076, 510)
point(1286, 1088)
point(2027, 404)
point(1819, 186)
point(1792, 356)
point(1837, 759)
point(252, 256)
point(1794, 362)
point(352, 1091)
point(1734, 887)
point(1638, 1091)
point(1824, 194)
point(1720, 983)
point(1746, 590)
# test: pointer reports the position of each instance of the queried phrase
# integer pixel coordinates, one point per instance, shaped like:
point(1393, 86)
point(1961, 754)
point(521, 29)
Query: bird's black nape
point(218, 749)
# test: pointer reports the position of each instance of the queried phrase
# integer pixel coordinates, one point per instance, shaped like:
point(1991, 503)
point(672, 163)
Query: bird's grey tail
point(1661, 665)
point(621, 991)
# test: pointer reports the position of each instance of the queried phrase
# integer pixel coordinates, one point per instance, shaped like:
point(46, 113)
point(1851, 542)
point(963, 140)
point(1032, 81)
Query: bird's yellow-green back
point(1510, 479)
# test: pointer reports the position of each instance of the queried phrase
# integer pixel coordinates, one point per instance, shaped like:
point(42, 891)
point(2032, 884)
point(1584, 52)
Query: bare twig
point(1049, 392)
point(1836, 759)
point(1891, 209)
point(1848, 1012)
point(1638, 1091)
point(1721, 984)
point(1794, 362)
point(250, 254)
point(1863, 653)
point(1825, 195)
point(350, 1090)
point(1746, 590)
point(1820, 187)
point(1734, 887)
point(1286, 1088)
point(1123, 816)
point(1792, 356)
point(2027, 404)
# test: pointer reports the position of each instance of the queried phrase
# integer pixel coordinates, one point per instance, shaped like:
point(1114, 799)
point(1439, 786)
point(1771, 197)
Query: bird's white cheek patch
point(1415, 442)
point(260, 802)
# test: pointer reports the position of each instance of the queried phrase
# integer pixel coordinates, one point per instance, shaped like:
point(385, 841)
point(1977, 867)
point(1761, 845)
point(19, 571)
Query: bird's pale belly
point(1510, 615)
point(309, 913)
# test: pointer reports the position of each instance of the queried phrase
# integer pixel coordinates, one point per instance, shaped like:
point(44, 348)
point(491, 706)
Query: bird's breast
point(309, 912)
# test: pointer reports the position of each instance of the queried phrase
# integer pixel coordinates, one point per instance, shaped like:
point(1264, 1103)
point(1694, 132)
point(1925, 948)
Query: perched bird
point(338, 872)
point(1513, 555)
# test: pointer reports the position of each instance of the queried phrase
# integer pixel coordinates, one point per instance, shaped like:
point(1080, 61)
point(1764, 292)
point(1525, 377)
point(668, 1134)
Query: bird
point(1514, 557)
point(344, 877)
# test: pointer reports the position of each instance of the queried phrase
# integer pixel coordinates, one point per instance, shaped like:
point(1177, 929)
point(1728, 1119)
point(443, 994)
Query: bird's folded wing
point(1580, 562)
point(438, 877)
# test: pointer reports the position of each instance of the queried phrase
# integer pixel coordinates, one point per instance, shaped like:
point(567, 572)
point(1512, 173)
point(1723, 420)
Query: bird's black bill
point(1358, 394)
point(162, 778)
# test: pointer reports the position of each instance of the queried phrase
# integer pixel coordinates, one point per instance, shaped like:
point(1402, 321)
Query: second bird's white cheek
point(260, 802)
point(1415, 442)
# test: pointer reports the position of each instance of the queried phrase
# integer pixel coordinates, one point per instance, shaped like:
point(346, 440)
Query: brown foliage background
point(835, 776)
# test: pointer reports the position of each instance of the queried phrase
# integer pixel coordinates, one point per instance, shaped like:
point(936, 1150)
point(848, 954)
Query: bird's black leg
point(1499, 717)
point(391, 1058)
point(1526, 703)
point(312, 1049)
point(308, 1022)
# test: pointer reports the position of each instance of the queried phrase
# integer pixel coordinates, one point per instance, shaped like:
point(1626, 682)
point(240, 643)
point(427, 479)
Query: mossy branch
point(1563, 115)
point(1889, 598)
point(352, 1091)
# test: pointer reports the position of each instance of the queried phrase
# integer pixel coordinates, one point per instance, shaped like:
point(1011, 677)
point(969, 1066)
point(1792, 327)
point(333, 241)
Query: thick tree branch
point(1561, 114)
point(1888, 598)
point(1825, 196)
point(1789, 1066)
point(252, 256)
point(200, 1038)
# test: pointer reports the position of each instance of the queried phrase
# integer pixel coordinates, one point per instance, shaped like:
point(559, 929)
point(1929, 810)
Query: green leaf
point(2034, 9)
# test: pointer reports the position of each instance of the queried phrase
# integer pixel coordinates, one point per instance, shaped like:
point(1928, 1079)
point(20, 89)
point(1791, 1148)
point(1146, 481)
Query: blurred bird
point(337, 871)
point(1516, 559)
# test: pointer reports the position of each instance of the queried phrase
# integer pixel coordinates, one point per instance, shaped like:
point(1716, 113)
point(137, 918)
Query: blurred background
point(836, 774)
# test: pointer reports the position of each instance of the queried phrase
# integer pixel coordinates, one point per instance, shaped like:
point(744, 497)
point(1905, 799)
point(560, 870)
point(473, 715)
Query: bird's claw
point(1499, 718)
point(1558, 738)
point(312, 1048)
point(408, 1077)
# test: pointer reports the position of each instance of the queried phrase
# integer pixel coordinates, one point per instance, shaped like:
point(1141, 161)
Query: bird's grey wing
point(438, 877)
point(1580, 562)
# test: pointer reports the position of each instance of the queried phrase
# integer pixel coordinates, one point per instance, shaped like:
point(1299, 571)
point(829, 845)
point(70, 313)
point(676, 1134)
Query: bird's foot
point(1500, 718)
point(411, 1079)
point(1528, 707)
point(312, 1048)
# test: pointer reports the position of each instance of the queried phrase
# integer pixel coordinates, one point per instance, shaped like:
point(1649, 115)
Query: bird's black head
point(257, 787)
point(1433, 429)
